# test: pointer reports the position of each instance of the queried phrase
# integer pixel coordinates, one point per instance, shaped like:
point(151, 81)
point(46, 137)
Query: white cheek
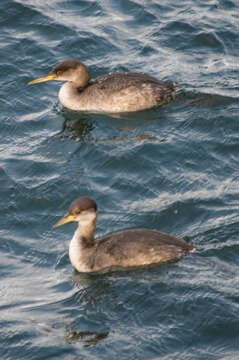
point(86, 218)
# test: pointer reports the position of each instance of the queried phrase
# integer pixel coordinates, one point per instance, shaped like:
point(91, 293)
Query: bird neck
point(70, 96)
point(81, 77)
point(84, 234)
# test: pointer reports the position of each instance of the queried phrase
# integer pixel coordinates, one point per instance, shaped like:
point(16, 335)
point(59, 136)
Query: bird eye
point(59, 72)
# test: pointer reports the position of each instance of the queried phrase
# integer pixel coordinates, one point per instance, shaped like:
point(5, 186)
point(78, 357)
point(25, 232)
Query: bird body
point(127, 248)
point(111, 93)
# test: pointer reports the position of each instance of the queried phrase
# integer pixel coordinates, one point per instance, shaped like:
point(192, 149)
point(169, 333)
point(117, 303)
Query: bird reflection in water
point(90, 338)
point(92, 288)
point(76, 126)
point(80, 126)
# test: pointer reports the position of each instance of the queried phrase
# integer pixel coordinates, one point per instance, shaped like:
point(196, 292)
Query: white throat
point(69, 96)
point(80, 246)
point(75, 251)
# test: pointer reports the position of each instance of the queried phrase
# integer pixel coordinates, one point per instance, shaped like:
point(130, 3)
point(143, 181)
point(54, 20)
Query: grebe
point(111, 93)
point(127, 248)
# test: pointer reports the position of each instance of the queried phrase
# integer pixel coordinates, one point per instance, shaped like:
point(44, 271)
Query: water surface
point(174, 169)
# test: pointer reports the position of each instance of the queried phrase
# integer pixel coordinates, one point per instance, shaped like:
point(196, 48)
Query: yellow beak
point(42, 79)
point(67, 218)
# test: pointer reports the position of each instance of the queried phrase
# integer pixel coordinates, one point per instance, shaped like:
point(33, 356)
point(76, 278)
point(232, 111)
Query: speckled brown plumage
point(111, 93)
point(137, 247)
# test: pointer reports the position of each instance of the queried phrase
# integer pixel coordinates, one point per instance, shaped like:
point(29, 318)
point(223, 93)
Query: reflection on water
point(89, 337)
point(92, 288)
point(80, 127)
point(76, 126)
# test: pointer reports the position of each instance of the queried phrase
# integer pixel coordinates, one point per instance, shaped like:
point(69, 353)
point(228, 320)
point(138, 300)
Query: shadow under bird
point(127, 248)
point(111, 93)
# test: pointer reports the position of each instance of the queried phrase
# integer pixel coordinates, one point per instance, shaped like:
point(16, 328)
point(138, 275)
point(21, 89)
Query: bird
point(112, 93)
point(123, 249)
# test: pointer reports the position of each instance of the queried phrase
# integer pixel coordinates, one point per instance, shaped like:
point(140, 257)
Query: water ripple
point(174, 169)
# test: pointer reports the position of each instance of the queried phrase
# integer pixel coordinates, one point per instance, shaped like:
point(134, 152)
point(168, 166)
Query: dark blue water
point(175, 169)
